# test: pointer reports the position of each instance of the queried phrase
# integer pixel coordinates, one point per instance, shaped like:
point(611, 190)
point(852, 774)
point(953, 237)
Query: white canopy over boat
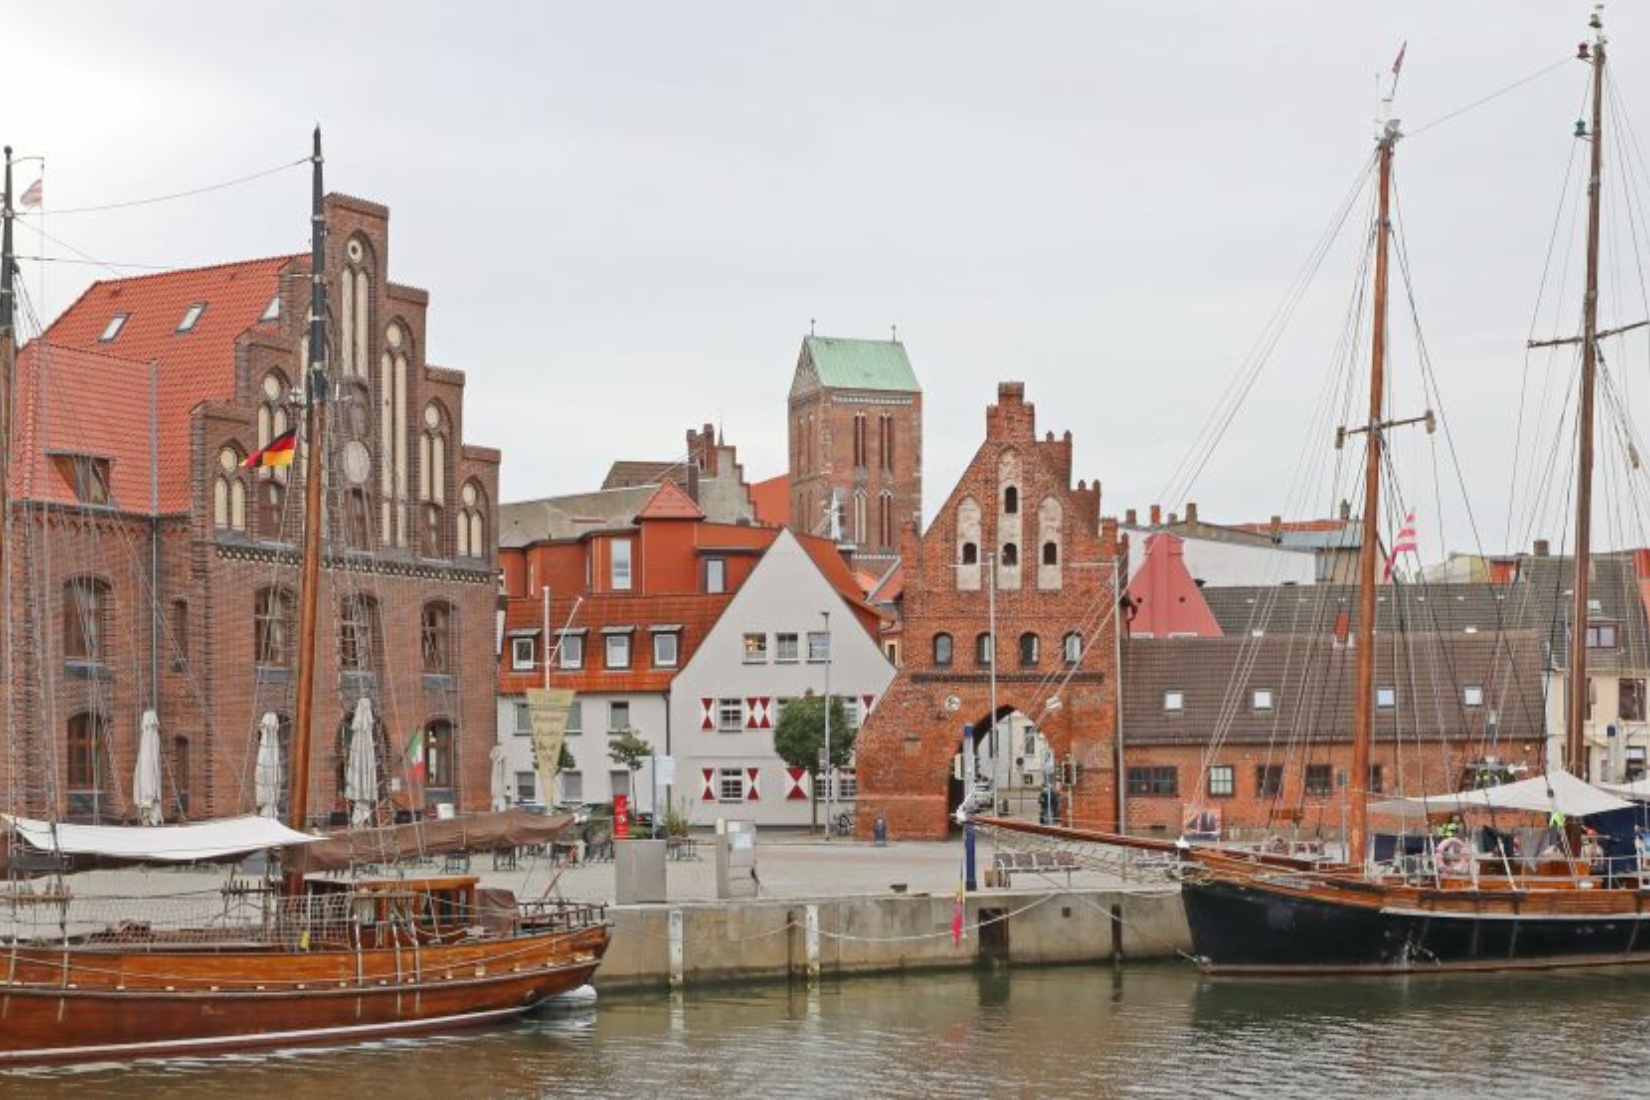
point(165, 843)
point(1638, 790)
point(1555, 791)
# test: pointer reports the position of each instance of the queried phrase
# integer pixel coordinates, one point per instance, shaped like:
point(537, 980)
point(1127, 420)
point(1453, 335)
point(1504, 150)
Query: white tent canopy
point(166, 843)
point(1555, 791)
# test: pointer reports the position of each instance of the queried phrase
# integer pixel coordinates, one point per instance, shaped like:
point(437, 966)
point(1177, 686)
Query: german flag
point(278, 452)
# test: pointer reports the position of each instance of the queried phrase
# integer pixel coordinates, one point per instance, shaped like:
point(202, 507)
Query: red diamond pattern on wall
point(707, 792)
point(707, 714)
point(796, 784)
point(752, 774)
point(759, 712)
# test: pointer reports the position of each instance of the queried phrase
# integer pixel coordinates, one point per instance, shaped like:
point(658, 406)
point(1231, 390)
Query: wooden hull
point(1279, 923)
point(95, 1003)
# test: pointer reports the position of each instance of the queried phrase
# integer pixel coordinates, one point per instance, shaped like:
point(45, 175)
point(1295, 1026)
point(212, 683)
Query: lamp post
point(825, 769)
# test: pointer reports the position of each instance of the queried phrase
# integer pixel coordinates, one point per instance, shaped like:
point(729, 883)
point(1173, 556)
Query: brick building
point(855, 443)
point(149, 570)
point(1013, 514)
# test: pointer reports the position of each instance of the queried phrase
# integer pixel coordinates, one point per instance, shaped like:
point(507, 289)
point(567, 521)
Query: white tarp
point(167, 843)
point(1557, 790)
point(1638, 790)
point(361, 769)
point(501, 793)
point(266, 777)
point(146, 776)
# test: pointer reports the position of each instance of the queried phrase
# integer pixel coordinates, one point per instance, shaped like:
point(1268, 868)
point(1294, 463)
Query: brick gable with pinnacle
point(1015, 503)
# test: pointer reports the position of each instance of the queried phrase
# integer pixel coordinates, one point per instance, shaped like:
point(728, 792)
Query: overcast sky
point(628, 214)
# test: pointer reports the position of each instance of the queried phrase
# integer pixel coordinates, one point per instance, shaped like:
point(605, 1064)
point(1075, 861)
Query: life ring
point(1452, 855)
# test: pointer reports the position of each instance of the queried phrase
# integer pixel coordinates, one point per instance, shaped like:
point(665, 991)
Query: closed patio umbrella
point(361, 769)
point(146, 777)
point(266, 779)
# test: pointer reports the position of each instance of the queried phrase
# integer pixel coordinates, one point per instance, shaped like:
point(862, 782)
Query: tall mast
point(1363, 706)
point(315, 397)
point(1575, 749)
point(8, 358)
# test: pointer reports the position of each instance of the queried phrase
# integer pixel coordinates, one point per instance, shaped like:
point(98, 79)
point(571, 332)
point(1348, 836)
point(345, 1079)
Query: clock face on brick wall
point(357, 462)
point(952, 703)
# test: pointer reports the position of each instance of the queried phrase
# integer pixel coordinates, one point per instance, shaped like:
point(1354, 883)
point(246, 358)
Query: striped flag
point(1405, 542)
point(278, 452)
point(34, 196)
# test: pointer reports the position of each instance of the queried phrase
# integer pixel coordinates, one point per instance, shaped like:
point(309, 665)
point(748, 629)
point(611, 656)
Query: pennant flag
point(957, 918)
point(278, 452)
point(33, 197)
point(415, 758)
point(1398, 62)
point(1405, 542)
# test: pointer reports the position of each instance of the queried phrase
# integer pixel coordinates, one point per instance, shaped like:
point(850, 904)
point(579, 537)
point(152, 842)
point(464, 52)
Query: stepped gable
point(1014, 503)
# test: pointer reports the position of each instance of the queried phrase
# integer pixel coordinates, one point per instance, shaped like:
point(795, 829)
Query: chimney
point(1130, 519)
point(1542, 547)
point(1157, 515)
point(1277, 528)
point(1191, 513)
point(1346, 510)
point(1173, 519)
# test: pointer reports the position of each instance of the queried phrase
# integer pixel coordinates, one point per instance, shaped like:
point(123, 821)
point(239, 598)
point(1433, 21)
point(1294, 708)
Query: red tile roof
point(192, 367)
point(72, 402)
point(695, 614)
point(772, 500)
point(669, 502)
point(831, 563)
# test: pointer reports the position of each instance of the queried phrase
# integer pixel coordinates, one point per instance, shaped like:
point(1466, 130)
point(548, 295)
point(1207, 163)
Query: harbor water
point(1142, 1030)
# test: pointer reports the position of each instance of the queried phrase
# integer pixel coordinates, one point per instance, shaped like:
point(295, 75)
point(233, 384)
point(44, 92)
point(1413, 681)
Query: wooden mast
point(315, 397)
point(1575, 748)
point(1363, 706)
point(8, 359)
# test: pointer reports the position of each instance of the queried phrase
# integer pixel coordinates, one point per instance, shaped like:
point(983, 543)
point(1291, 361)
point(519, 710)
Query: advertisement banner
point(548, 708)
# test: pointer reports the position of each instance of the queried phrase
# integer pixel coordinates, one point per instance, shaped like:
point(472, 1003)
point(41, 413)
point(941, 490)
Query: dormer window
point(272, 312)
point(190, 316)
point(116, 323)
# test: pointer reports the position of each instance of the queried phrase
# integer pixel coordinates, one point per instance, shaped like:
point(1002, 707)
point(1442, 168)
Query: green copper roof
point(861, 364)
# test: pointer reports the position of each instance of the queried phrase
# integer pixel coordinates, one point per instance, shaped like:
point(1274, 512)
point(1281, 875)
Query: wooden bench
point(1038, 863)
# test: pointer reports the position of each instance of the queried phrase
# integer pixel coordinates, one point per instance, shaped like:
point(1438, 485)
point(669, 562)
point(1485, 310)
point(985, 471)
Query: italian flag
point(415, 757)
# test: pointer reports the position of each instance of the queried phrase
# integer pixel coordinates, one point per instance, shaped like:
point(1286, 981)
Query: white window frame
point(614, 709)
point(784, 644)
point(523, 720)
point(716, 575)
point(523, 654)
point(729, 780)
point(1226, 786)
point(819, 646)
point(570, 651)
point(756, 648)
point(666, 649)
point(730, 714)
point(527, 786)
point(617, 644)
point(1174, 701)
point(575, 718)
point(619, 565)
point(1472, 696)
point(1262, 699)
point(1386, 697)
point(572, 785)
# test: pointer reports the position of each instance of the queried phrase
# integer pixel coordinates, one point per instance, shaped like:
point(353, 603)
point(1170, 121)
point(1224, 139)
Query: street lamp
point(825, 769)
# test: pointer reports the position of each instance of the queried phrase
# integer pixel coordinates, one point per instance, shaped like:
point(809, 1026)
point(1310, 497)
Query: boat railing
point(560, 915)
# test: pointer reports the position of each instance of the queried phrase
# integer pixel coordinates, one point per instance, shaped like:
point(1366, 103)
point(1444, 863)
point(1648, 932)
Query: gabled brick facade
point(1015, 505)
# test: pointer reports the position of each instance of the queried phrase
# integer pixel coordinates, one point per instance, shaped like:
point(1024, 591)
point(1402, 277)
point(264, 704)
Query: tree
point(800, 735)
point(629, 750)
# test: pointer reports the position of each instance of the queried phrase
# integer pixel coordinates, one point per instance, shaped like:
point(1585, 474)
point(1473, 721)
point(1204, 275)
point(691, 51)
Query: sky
point(628, 215)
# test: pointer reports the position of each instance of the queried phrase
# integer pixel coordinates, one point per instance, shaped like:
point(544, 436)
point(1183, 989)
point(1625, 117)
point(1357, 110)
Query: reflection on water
point(1145, 1031)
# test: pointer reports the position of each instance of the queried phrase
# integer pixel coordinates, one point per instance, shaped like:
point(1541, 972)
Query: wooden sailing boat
point(314, 960)
point(1260, 913)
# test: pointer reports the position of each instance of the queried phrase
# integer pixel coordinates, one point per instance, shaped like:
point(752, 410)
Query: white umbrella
point(501, 797)
point(146, 778)
point(361, 770)
point(266, 780)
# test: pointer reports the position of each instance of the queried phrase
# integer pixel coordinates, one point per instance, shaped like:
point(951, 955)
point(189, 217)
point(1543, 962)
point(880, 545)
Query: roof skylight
point(190, 316)
point(116, 323)
point(272, 311)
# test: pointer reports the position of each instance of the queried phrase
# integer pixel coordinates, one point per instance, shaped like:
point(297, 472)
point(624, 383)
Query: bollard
point(879, 831)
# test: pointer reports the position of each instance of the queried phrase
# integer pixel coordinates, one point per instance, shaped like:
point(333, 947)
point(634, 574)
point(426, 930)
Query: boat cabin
point(435, 909)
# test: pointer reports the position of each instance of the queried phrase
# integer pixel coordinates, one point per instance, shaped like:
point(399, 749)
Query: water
point(1144, 1031)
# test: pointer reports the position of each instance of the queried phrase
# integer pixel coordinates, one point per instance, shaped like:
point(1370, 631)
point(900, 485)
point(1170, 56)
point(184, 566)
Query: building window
point(1011, 500)
point(983, 649)
point(85, 605)
point(1051, 553)
point(1222, 781)
point(272, 312)
point(885, 519)
point(472, 523)
point(618, 651)
point(1320, 780)
point(524, 720)
point(522, 656)
point(859, 440)
point(1630, 700)
point(570, 650)
point(756, 649)
point(274, 616)
point(716, 575)
point(112, 329)
point(271, 502)
point(572, 786)
point(1071, 648)
point(1268, 780)
point(440, 755)
point(665, 648)
point(618, 717)
point(730, 715)
point(970, 554)
point(887, 428)
point(430, 535)
point(1011, 554)
point(527, 786)
point(819, 646)
point(942, 650)
point(575, 718)
point(785, 649)
point(1375, 779)
point(1601, 635)
point(619, 566)
point(730, 784)
point(1154, 781)
point(358, 639)
point(87, 475)
point(1262, 699)
point(1472, 696)
point(358, 520)
point(1386, 697)
point(85, 764)
point(187, 322)
point(438, 633)
point(1030, 650)
point(1174, 701)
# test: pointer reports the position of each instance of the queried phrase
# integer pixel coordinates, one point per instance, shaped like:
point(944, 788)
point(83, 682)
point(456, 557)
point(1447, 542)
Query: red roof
point(831, 563)
point(669, 502)
point(772, 500)
point(1305, 525)
point(192, 366)
point(695, 614)
point(72, 402)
